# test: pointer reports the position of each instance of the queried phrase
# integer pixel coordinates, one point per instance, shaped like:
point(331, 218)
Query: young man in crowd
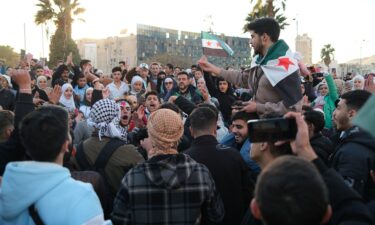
point(108, 136)
point(354, 155)
point(49, 192)
point(228, 169)
point(239, 140)
point(152, 103)
point(118, 87)
point(169, 188)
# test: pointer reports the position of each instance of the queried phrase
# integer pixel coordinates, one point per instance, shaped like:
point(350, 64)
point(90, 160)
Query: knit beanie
point(165, 128)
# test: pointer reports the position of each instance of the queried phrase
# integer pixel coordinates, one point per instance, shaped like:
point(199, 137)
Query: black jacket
point(12, 150)
point(354, 158)
point(7, 99)
point(230, 173)
point(322, 146)
point(347, 206)
point(226, 99)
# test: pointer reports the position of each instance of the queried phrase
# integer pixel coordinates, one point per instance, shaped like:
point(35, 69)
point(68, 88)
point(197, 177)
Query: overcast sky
point(347, 25)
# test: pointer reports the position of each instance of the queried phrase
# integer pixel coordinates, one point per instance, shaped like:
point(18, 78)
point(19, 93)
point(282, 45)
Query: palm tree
point(61, 12)
point(326, 54)
point(267, 9)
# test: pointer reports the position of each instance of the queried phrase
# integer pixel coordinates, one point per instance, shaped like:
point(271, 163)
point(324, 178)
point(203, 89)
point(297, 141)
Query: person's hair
point(170, 66)
point(38, 67)
point(154, 63)
point(356, 99)
point(267, 26)
point(171, 106)
point(44, 131)
point(121, 62)
point(242, 115)
point(161, 72)
point(198, 68)
point(130, 74)
point(183, 73)
point(291, 191)
point(177, 67)
point(76, 79)
point(152, 93)
point(202, 119)
point(212, 107)
point(6, 120)
point(116, 69)
point(194, 66)
point(316, 118)
point(83, 62)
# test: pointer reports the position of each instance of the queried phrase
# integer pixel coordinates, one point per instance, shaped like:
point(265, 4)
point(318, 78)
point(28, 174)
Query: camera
point(272, 130)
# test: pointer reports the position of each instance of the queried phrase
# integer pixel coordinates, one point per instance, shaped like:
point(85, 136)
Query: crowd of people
point(160, 144)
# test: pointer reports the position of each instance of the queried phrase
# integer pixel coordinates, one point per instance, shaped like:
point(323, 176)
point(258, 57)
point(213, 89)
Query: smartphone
point(272, 130)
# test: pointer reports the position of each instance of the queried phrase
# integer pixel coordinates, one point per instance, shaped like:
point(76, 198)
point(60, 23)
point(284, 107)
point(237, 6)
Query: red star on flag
point(208, 43)
point(285, 62)
point(217, 44)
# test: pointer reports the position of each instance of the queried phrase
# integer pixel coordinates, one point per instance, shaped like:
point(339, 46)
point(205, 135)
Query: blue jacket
point(58, 198)
point(230, 141)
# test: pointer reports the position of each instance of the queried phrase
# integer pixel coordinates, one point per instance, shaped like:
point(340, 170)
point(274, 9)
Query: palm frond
point(78, 11)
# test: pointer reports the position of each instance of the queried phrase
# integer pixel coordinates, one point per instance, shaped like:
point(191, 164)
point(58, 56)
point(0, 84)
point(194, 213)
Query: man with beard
point(354, 155)
point(273, 76)
point(239, 140)
point(185, 89)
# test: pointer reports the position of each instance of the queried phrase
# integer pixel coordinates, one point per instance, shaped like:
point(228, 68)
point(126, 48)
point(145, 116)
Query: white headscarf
point(68, 103)
point(39, 79)
point(361, 78)
point(8, 79)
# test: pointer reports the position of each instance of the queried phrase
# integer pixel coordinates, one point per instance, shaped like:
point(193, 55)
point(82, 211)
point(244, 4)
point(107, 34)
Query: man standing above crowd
point(273, 76)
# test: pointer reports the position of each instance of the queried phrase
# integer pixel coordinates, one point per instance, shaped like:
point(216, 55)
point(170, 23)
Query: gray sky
point(344, 24)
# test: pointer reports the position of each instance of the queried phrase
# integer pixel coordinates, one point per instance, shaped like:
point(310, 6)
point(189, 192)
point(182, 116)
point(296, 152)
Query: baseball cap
point(143, 66)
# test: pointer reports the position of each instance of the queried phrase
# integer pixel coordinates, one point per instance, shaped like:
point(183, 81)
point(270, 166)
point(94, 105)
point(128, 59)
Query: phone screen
point(275, 129)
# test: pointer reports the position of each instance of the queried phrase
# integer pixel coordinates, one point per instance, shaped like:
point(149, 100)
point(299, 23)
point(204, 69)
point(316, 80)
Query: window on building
point(167, 35)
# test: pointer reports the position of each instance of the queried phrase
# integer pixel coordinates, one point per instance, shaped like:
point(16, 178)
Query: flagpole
point(24, 35)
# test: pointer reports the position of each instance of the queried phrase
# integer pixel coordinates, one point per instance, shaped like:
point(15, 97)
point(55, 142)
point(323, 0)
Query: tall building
point(304, 46)
point(164, 45)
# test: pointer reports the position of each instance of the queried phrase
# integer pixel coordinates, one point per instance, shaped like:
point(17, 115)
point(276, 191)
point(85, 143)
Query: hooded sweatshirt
point(169, 189)
point(58, 198)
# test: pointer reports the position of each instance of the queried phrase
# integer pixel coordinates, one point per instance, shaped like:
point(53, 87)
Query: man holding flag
point(273, 76)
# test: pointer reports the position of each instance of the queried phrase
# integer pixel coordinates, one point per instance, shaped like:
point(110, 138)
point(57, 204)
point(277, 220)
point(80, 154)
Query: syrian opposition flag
point(213, 46)
point(281, 69)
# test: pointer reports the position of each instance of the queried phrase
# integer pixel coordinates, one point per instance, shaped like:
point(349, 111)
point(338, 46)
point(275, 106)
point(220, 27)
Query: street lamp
point(360, 52)
point(296, 24)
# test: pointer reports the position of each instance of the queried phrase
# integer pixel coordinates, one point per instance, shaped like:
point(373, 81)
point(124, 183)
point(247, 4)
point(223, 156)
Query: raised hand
point(106, 92)
point(22, 79)
point(55, 94)
point(206, 66)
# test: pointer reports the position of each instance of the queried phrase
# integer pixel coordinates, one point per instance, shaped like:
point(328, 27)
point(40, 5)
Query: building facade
point(150, 43)
point(304, 46)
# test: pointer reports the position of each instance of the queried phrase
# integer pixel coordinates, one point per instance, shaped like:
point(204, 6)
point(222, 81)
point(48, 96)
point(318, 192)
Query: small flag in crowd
point(281, 69)
point(365, 118)
point(213, 46)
